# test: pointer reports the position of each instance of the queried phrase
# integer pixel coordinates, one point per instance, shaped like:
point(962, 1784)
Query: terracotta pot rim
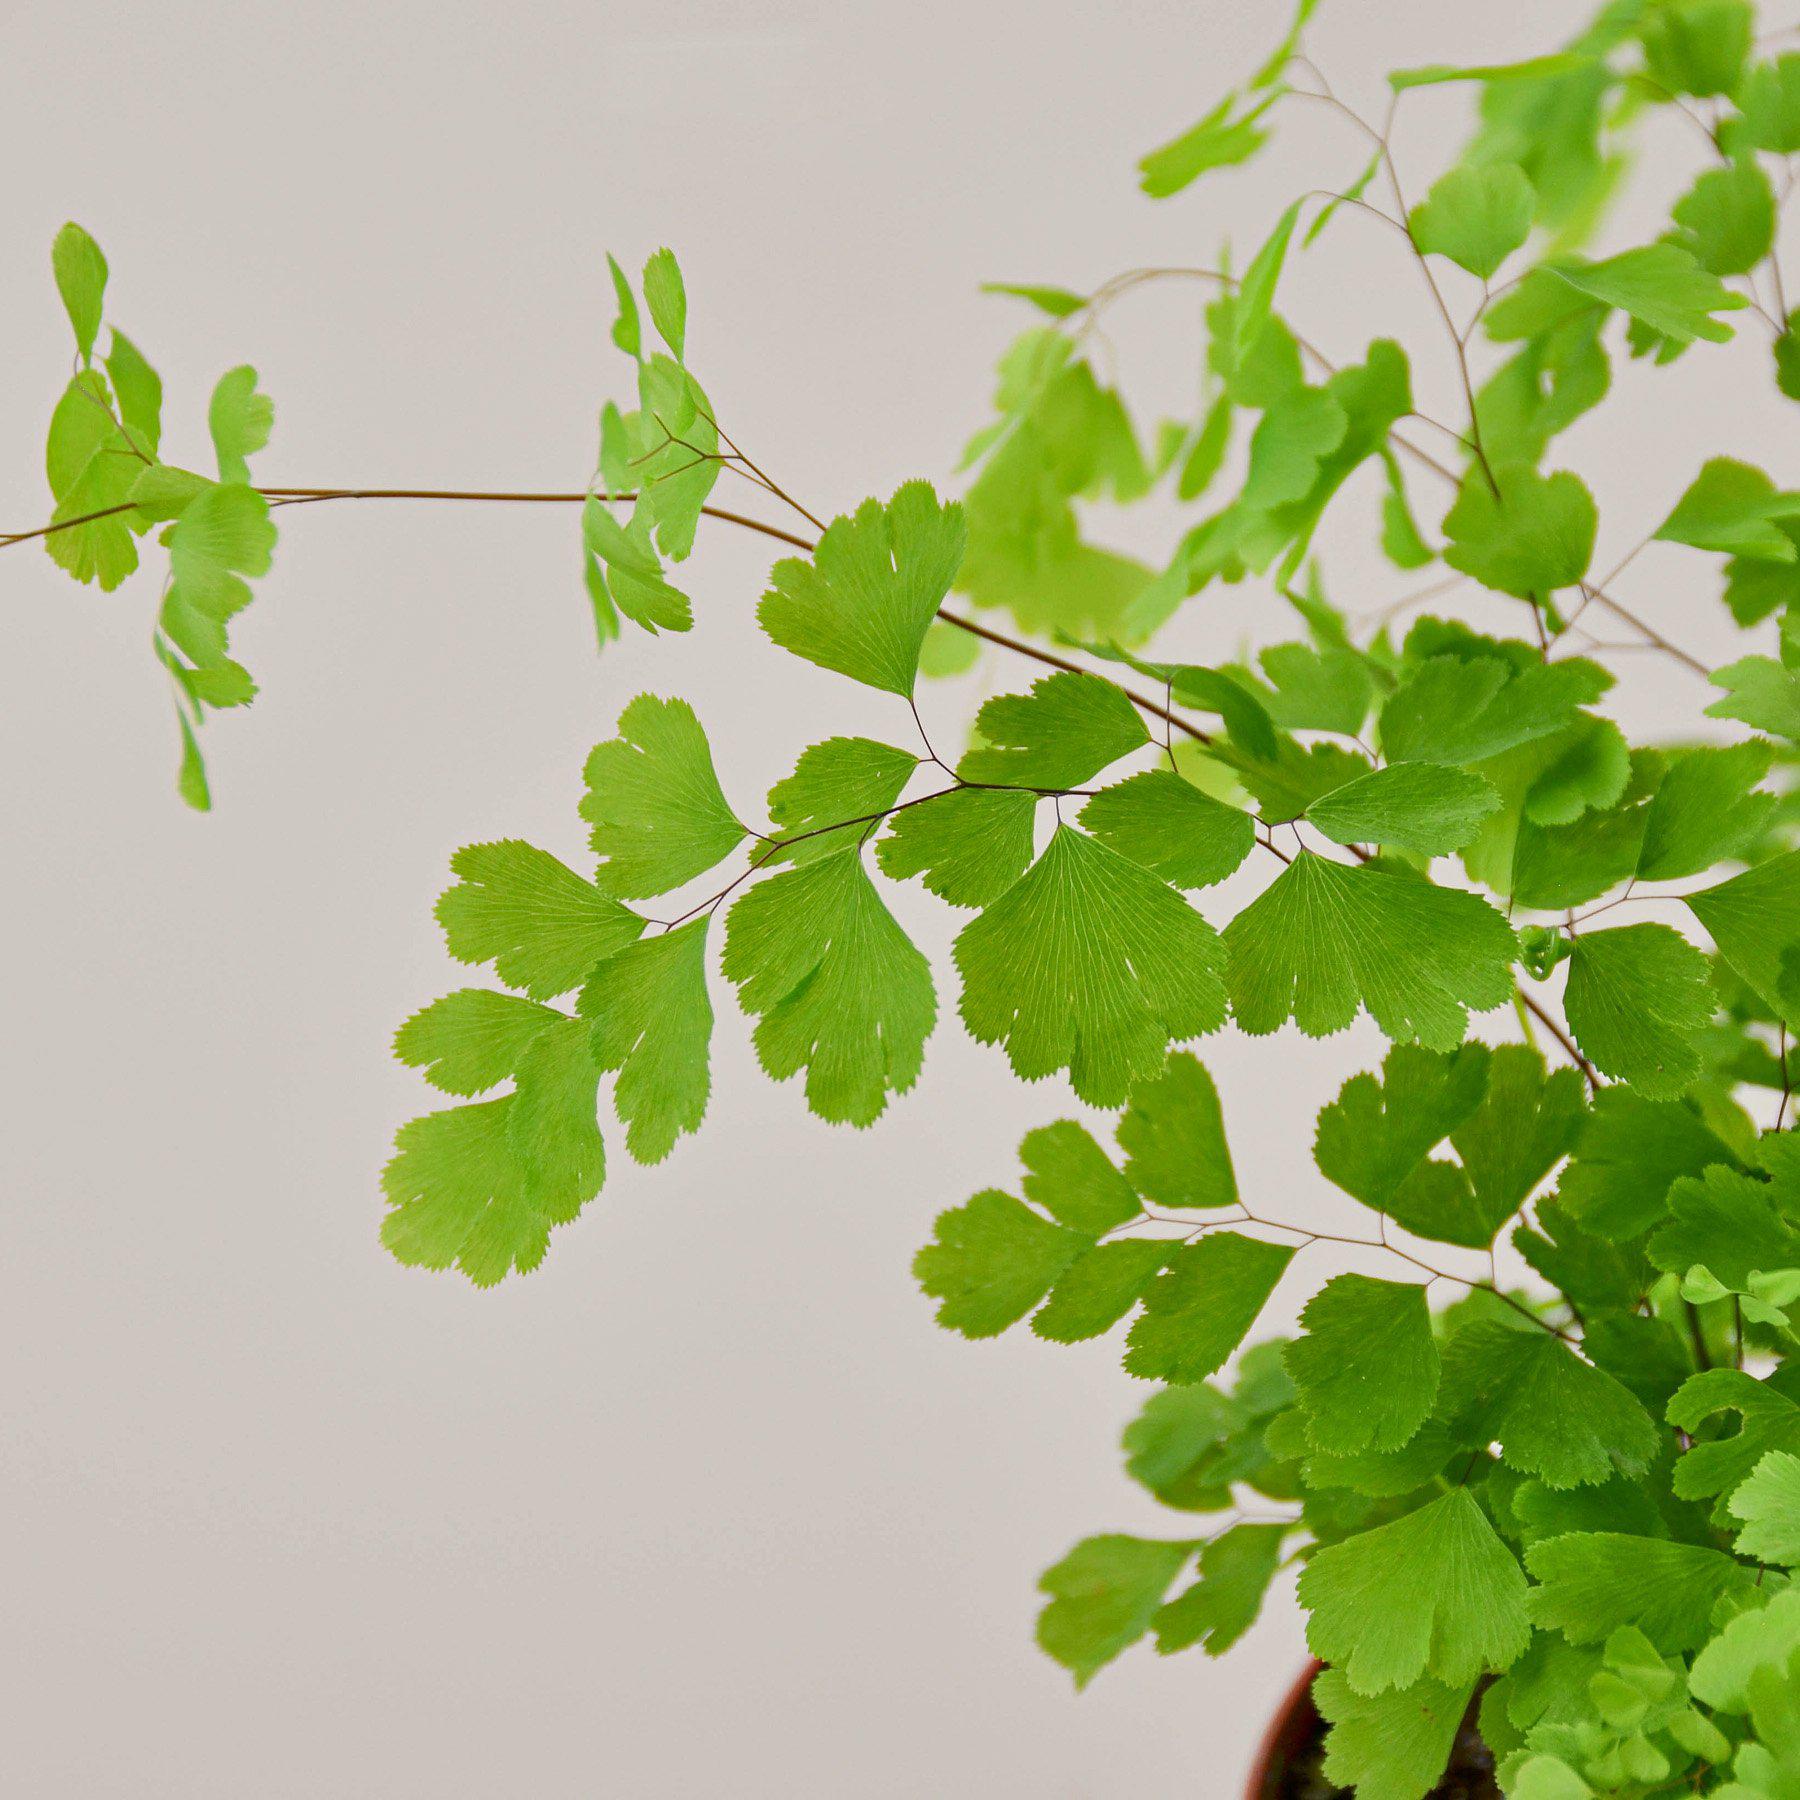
point(1293, 1720)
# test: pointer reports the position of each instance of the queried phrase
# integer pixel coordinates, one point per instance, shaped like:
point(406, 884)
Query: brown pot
point(1294, 1725)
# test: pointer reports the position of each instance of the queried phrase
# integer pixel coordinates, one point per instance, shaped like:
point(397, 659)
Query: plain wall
point(709, 1505)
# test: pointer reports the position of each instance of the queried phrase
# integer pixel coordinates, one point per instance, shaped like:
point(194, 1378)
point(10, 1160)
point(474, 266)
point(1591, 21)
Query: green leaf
point(1099, 1288)
point(1553, 1415)
point(1477, 215)
point(1768, 1502)
point(1662, 287)
point(1074, 1180)
point(1392, 1746)
point(1173, 1136)
point(1535, 535)
point(1698, 46)
point(992, 1261)
point(1103, 1596)
point(1197, 1311)
point(1434, 1594)
point(1769, 101)
point(1527, 1122)
point(1296, 434)
point(139, 391)
point(1706, 811)
point(850, 783)
point(1324, 688)
point(540, 925)
point(1218, 141)
point(627, 331)
point(1401, 541)
point(1764, 1637)
point(1732, 1223)
point(456, 1196)
point(1454, 710)
point(481, 1186)
point(1760, 691)
point(1637, 999)
point(1375, 1134)
point(1727, 218)
point(1256, 292)
point(552, 1127)
point(623, 562)
point(651, 1019)
point(653, 798)
point(1165, 823)
point(1058, 302)
point(1533, 68)
point(1422, 807)
point(1629, 1153)
point(241, 418)
point(1089, 964)
point(471, 1040)
point(1771, 1421)
point(838, 988)
point(223, 534)
point(666, 297)
point(1367, 1368)
point(862, 604)
point(1593, 1582)
point(1325, 939)
point(164, 492)
point(80, 272)
point(970, 844)
point(1236, 1568)
point(190, 781)
point(1754, 919)
point(1067, 729)
point(1732, 507)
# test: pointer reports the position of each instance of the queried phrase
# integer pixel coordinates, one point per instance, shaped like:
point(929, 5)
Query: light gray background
point(708, 1506)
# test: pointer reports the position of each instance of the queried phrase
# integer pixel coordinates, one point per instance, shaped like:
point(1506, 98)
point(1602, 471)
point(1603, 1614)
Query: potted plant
point(1535, 1445)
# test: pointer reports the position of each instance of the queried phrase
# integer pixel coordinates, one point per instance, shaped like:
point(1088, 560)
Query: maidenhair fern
point(1566, 1483)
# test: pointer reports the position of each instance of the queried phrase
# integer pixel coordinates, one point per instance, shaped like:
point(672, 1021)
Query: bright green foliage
point(1197, 1312)
point(1768, 1501)
point(1605, 1388)
point(1476, 215)
point(1326, 939)
point(653, 798)
point(1521, 532)
point(1754, 919)
point(1593, 1582)
point(1236, 1568)
point(540, 925)
point(1173, 1136)
point(1104, 1594)
point(1367, 1368)
point(1166, 823)
point(1435, 1594)
point(1662, 287)
point(80, 272)
point(1638, 998)
point(1707, 809)
point(838, 794)
point(481, 1186)
point(471, 1040)
point(969, 845)
point(838, 988)
point(652, 1021)
point(863, 602)
point(1393, 1745)
point(1068, 728)
point(1552, 1415)
point(1090, 964)
point(1733, 508)
point(1727, 218)
point(1422, 807)
point(1457, 709)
